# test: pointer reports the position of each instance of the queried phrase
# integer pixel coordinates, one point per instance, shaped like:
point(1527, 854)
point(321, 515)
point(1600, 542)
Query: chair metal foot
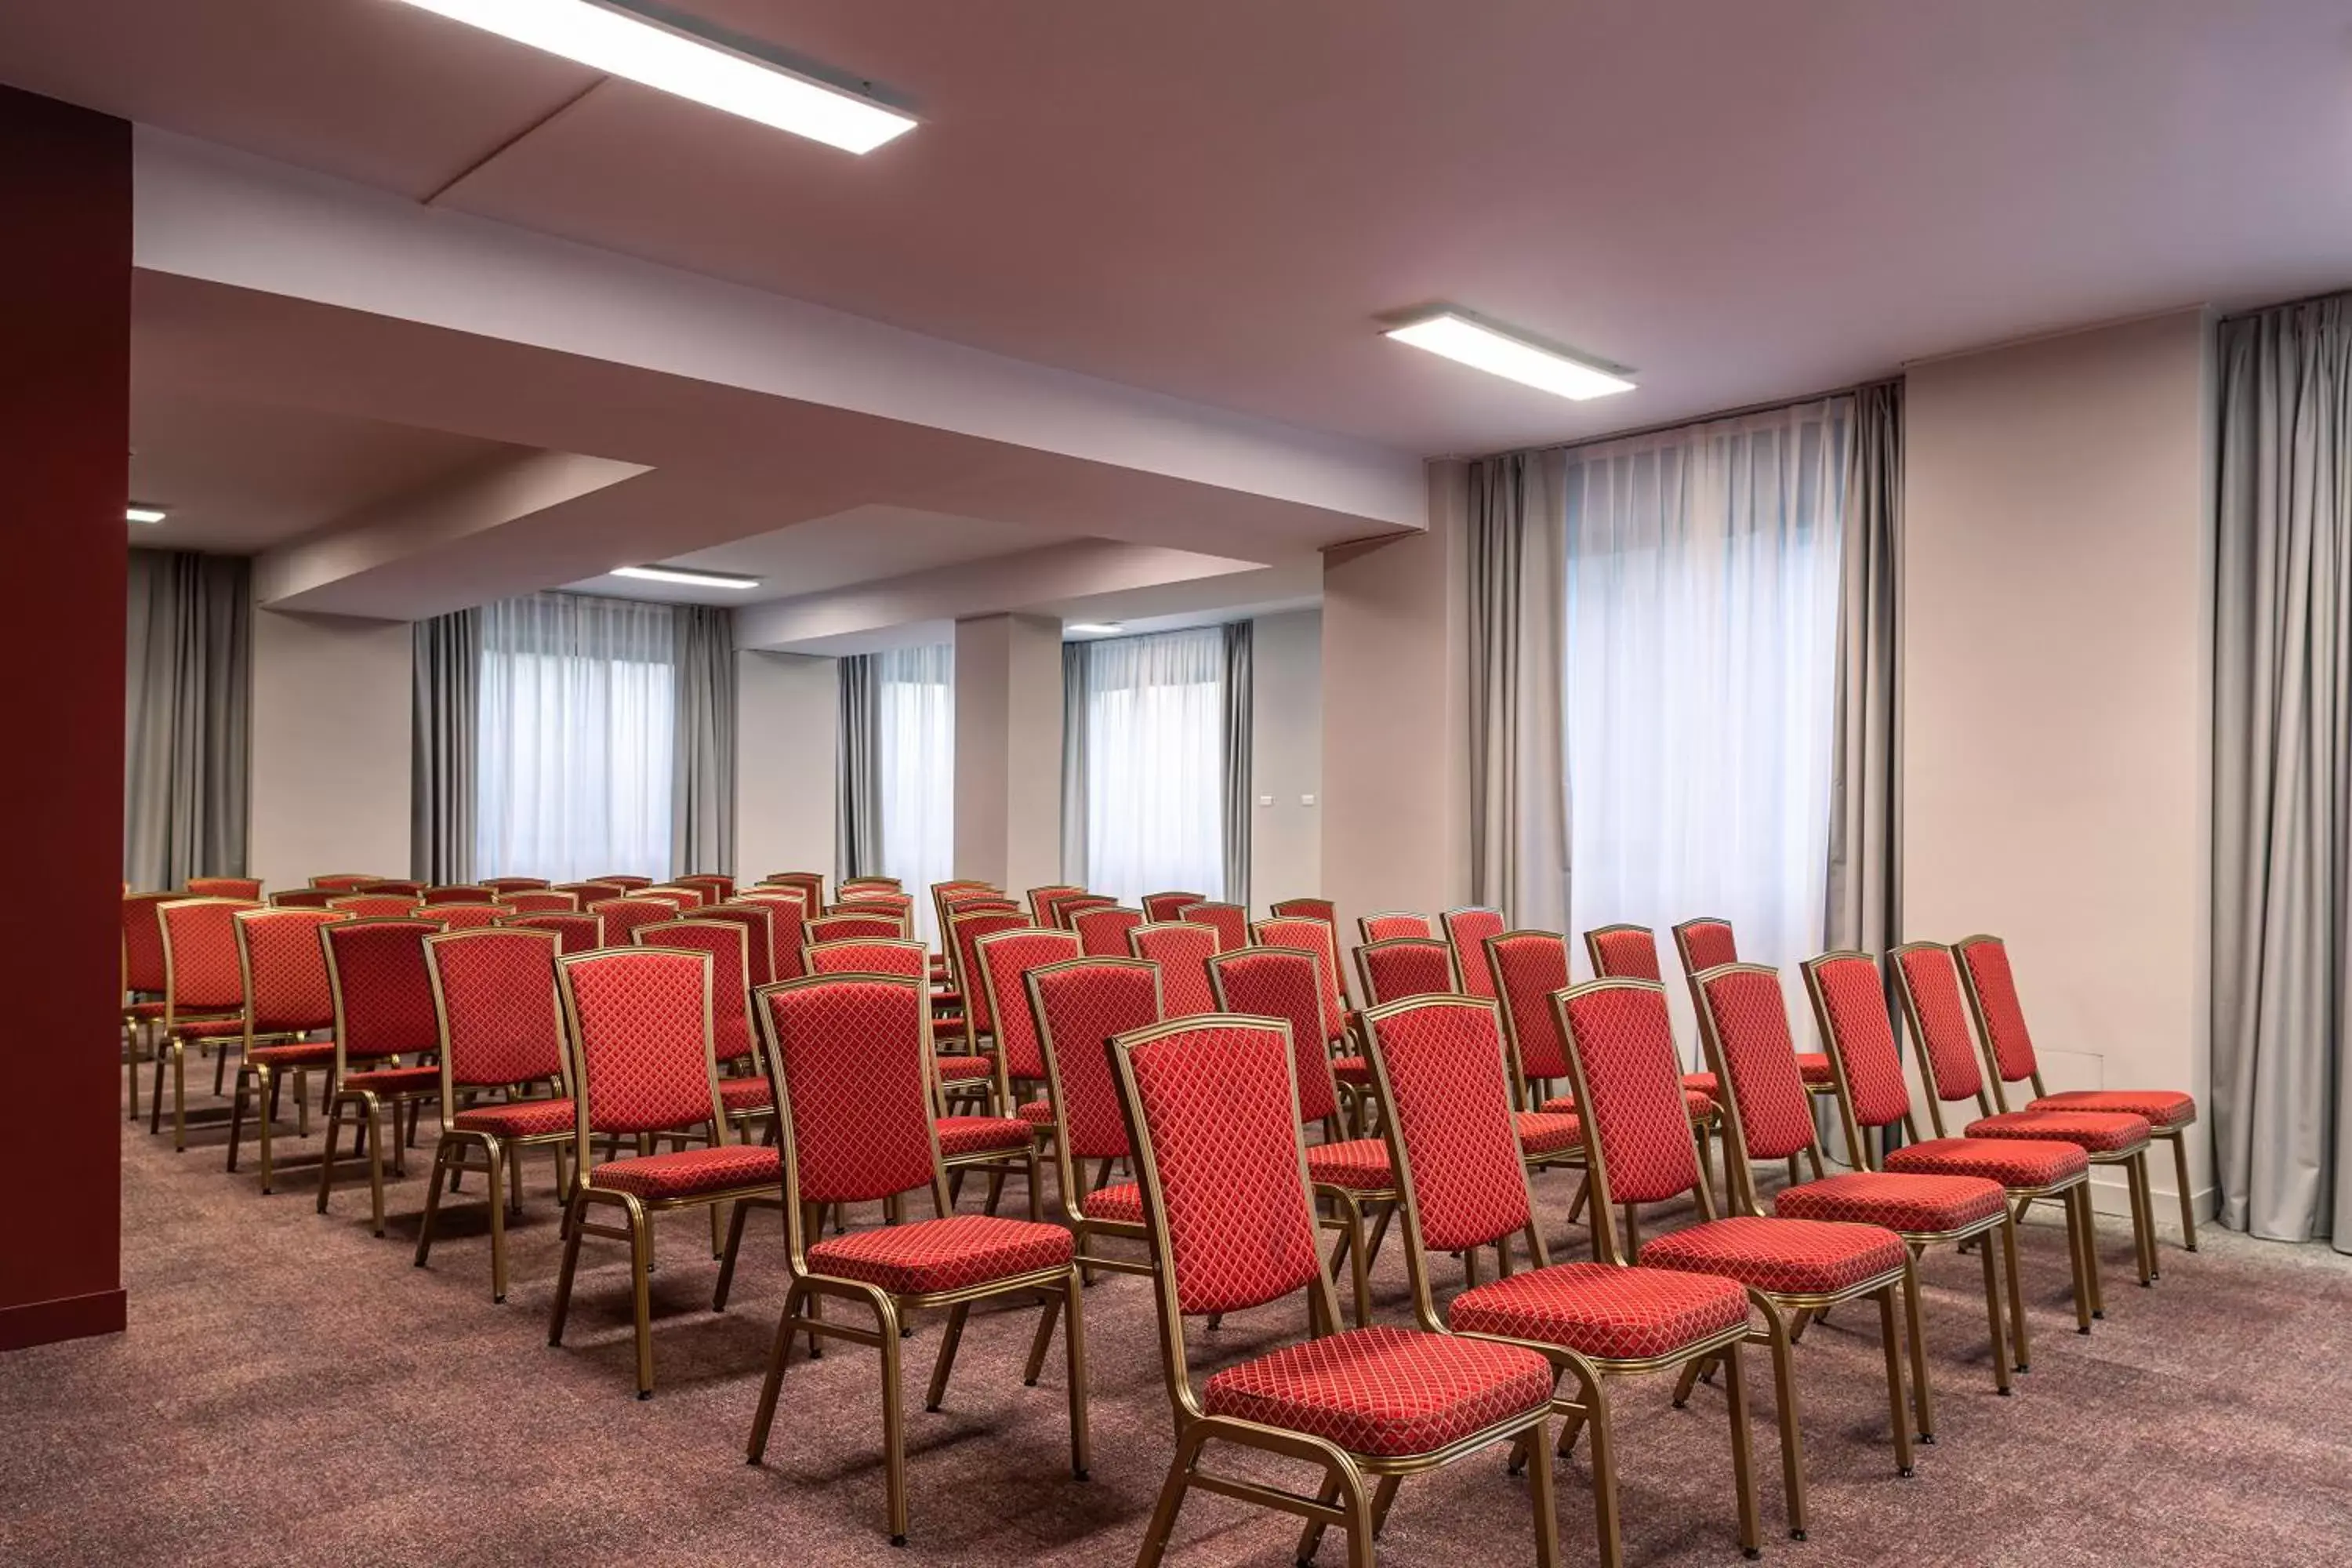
point(1906, 1472)
point(645, 1393)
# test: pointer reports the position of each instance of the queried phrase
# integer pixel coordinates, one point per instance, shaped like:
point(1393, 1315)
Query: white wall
point(2054, 691)
point(787, 744)
point(1286, 756)
point(1008, 750)
point(331, 701)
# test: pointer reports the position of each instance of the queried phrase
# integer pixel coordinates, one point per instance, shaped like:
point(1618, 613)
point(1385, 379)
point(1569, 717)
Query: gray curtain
point(702, 782)
point(1518, 788)
point(857, 816)
point(1239, 708)
point(187, 700)
point(2282, 918)
point(1074, 693)
point(446, 661)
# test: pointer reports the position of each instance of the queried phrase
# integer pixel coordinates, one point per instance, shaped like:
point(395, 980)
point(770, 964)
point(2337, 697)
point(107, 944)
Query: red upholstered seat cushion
point(393, 1080)
point(955, 1067)
point(935, 1255)
point(961, 1136)
point(1912, 1203)
point(144, 1009)
point(1548, 1132)
point(1035, 1112)
point(692, 1172)
point(2159, 1107)
point(1123, 1203)
point(1814, 1068)
point(2097, 1132)
point(746, 1094)
point(301, 1054)
point(1360, 1165)
point(1792, 1257)
point(207, 1029)
point(521, 1118)
point(2013, 1162)
point(1699, 1102)
point(1700, 1083)
point(1382, 1390)
point(1617, 1314)
point(1352, 1069)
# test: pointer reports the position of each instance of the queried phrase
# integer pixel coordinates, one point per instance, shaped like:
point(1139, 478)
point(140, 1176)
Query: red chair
point(886, 925)
point(343, 882)
point(1525, 967)
point(397, 886)
point(809, 885)
point(849, 1054)
point(1849, 1000)
point(1444, 1084)
point(502, 886)
point(637, 1031)
point(1079, 1004)
point(287, 999)
point(625, 883)
point(714, 887)
point(578, 933)
point(1928, 982)
point(144, 981)
point(1044, 901)
point(964, 928)
point(1182, 951)
point(384, 1011)
point(540, 901)
point(499, 1028)
point(1465, 930)
point(1768, 1114)
point(2008, 1053)
point(1160, 907)
point(850, 885)
point(1638, 1148)
point(966, 1081)
point(1706, 942)
point(1212, 1110)
point(1004, 959)
point(1322, 909)
point(1067, 911)
point(1400, 966)
point(304, 898)
point(375, 906)
point(1102, 932)
point(458, 893)
point(742, 1078)
point(787, 929)
point(1230, 922)
point(759, 924)
point(590, 893)
point(624, 916)
point(682, 900)
point(203, 996)
point(224, 888)
point(1391, 923)
point(465, 917)
point(1318, 939)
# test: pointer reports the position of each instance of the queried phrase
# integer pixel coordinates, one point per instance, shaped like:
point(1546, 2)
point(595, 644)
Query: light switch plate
point(1265, 800)
point(1307, 800)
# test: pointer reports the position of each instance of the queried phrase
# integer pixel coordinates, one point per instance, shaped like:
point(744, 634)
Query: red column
point(65, 418)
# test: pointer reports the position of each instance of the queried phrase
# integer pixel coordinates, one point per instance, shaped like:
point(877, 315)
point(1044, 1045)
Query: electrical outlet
point(1307, 800)
point(1265, 800)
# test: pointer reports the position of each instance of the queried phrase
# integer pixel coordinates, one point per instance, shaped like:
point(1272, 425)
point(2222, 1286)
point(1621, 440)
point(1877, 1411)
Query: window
point(1699, 650)
point(1154, 718)
point(914, 725)
point(573, 738)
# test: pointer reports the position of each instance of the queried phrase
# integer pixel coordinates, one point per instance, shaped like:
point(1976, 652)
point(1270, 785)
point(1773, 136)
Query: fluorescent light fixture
point(691, 579)
point(1095, 628)
point(137, 513)
point(615, 40)
point(1471, 343)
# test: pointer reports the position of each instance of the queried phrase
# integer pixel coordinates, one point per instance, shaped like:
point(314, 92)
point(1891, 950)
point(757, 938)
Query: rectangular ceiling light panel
point(1481, 347)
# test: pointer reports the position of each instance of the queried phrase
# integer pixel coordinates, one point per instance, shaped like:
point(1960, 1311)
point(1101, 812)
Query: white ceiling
point(853, 546)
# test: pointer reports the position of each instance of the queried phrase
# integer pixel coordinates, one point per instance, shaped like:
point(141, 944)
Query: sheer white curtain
point(1155, 762)
point(574, 747)
point(915, 724)
point(1699, 675)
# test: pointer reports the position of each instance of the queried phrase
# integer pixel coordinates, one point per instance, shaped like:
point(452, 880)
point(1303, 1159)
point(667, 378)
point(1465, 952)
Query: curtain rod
point(2320, 297)
point(1664, 424)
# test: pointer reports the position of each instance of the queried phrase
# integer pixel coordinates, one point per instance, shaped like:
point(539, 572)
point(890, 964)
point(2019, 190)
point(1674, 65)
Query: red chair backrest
point(1281, 983)
point(495, 1006)
point(343, 882)
point(1393, 924)
point(224, 886)
point(383, 998)
point(1993, 1000)
point(759, 924)
point(1077, 1005)
point(1067, 911)
point(504, 884)
point(1161, 906)
point(1319, 938)
point(901, 956)
point(304, 898)
point(1467, 930)
point(1103, 932)
point(374, 906)
point(787, 929)
point(848, 1058)
point(625, 883)
point(809, 885)
point(577, 932)
point(1404, 966)
point(1043, 901)
point(1623, 953)
point(590, 892)
point(286, 992)
point(1447, 1085)
point(540, 901)
point(1630, 1088)
point(398, 886)
point(1850, 1003)
point(466, 917)
point(1705, 943)
point(624, 916)
point(1182, 951)
point(678, 898)
point(1215, 1113)
point(202, 973)
point(715, 887)
point(637, 1023)
point(965, 929)
point(1747, 1019)
point(729, 945)
point(1930, 983)
point(142, 941)
point(1230, 922)
point(458, 893)
point(1527, 967)
point(1322, 909)
point(1005, 958)
point(884, 923)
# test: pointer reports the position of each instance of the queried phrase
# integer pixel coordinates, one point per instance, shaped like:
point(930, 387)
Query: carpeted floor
point(292, 1391)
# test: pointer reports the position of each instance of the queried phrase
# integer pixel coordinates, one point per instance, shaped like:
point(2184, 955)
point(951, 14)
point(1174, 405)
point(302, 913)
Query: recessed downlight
point(1095, 628)
point(1459, 337)
point(690, 579)
point(137, 514)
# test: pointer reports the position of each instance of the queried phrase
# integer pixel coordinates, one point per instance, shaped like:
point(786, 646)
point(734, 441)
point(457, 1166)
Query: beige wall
point(1286, 756)
point(330, 721)
point(786, 743)
point(1008, 750)
point(2054, 703)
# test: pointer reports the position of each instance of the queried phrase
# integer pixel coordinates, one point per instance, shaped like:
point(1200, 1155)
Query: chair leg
point(574, 1211)
point(1041, 1341)
point(2017, 1330)
point(375, 1153)
point(1606, 1526)
point(779, 1354)
point(2144, 1220)
point(327, 1160)
point(441, 1160)
point(727, 1259)
point(236, 1113)
point(502, 1176)
point(1784, 1398)
point(2091, 1268)
point(641, 1261)
point(155, 1097)
point(179, 1098)
point(1172, 1500)
point(1074, 1353)
point(894, 1420)
point(1892, 1337)
point(945, 1363)
point(1992, 1312)
point(1743, 1473)
point(1922, 1398)
point(2179, 1142)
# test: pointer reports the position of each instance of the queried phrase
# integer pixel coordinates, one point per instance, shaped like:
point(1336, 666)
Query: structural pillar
point(1008, 750)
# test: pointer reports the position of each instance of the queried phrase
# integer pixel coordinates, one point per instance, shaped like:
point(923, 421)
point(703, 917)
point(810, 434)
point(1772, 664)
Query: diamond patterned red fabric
point(1102, 933)
point(541, 901)
point(1394, 924)
point(758, 921)
point(852, 927)
point(467, 917)
point(518, 1119)
point(1467, 930)
point(303, 1054)
point(1984, 962)
point(2011, 1161)
point(624, 916)
point(142, 941)
point(1121, 1203)
point(787, 929)
point(1384, 1391)
point(1624, 1041)
point(1527, 967)
point(1899, 1202)
point(2159, 1107)
point(967, 930)
point(1317, 937)
point(1784, 1256)
point(1182, 952)
point(1230, 922)
point(1397, 967)
point(1359, 1164)
point(463, 893)
point(576, 932)
point(739, 1095)
point(867, 955)
point(376, 906)
point(1164, 907)
point(1035, 1112)
point(849, 1053)
point(1939, 1018)
point(1322, 909)
point(383, 997)
point(1851, 996)
point(224, 888)
point(641, 1045)
point(1705, 943)
point(502, 886)
point(1604, 1311)
point(962, 1136)
point(1352, 1069)
point(208, 1028)
point(1751, 1025)
point(1079, 1006)
point(1216, 1101)
point(730, 992)
point(1281, 983)
point(678, 898)
point(392, 1080)
point(1696, 1103)
point(500, 1022)
point(692, 1172)
point(931, 1256)
point(1552, 1133)
point(1005, 959)
point(200, 951)
point(1452, 1100)
point(952, 1068)
point(2095, 1132)
point(1623, 953)
point(288, 968)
